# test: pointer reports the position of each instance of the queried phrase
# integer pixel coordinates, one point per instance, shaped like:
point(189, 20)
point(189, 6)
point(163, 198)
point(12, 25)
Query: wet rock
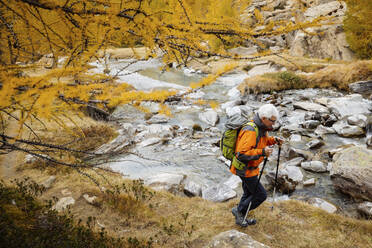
point(352, 172)
point(321, 130)
point(218, 193)
point(369, 132)
point(361, 87)
point(234, 239)
point(165, 181)
point(316, 166)
point(365, 209)
point(63, 203)
point(309, 182)
point(293, 173)
point(293, 152)
point(323, 204)
point(310, 124)
point(210, 117)
point(312, 116)
point(349, 105)
point(295, 138)
point(294, 162)
point(358, 120)
point(345, 130)
point(315, 143)
point(310, 106)
point(328, 119)
point(288, 178)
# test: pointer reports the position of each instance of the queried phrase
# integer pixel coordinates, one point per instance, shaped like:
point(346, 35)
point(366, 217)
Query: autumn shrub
point(358, 27)
point(24, 222)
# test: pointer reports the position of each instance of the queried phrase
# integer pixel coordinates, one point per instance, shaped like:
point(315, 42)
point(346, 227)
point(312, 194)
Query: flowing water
point(198, 158)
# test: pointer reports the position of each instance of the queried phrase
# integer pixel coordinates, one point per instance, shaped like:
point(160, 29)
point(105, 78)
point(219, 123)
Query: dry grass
point(338, 76)
point(291, 224)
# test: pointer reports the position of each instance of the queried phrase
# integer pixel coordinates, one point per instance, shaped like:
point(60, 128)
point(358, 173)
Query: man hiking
point(251, 147)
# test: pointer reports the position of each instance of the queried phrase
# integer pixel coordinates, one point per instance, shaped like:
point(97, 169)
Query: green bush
point(286, 80)
point(358, 27)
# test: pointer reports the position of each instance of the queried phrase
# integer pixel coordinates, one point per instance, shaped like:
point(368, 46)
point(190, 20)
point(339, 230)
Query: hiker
point(251, 147)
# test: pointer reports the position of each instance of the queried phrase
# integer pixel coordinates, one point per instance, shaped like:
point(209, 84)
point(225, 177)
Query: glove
point(279, 141)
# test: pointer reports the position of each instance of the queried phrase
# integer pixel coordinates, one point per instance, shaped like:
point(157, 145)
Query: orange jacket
point(248, 151)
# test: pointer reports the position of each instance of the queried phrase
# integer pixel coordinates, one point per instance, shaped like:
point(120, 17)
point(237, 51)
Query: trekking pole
point(255, 189)
point(276, 177)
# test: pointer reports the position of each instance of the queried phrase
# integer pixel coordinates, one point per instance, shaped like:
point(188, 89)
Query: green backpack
point(229, 137)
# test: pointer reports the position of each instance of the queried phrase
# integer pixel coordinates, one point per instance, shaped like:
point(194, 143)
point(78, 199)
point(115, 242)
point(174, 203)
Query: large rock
point(365, 209)
point(349, 105)
point(334, 8)
point(234, 239)
point(288, 178)
point(323, 204)
point(210, 117)
point(166, 181)
point(309, 106)
point(345, 130)
point(316, 166)
point(218, 193)
point(351, 172)
point(361, 87)
point(327, 42)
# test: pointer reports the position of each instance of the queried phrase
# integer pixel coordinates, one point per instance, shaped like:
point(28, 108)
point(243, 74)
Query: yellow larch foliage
point(61, 38)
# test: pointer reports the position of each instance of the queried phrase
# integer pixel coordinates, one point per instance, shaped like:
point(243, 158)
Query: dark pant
point(249, 194)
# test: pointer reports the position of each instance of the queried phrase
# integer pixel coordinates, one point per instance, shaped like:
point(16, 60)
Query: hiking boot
point(239, 217)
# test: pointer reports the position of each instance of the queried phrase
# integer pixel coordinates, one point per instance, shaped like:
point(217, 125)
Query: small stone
point(63, 203)
point(90, 199)
point(48, 183)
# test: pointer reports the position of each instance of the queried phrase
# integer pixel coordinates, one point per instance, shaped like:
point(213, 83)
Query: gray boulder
point(361, 87)
point(166, 181)
point(310, 106)
point(234, 239)
point(351, 172)
point(218, 193)
point(210, 117)
point(349, 105)
point(345, 130)
point(323, 204)
point(365, 209)
point(316, 166)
